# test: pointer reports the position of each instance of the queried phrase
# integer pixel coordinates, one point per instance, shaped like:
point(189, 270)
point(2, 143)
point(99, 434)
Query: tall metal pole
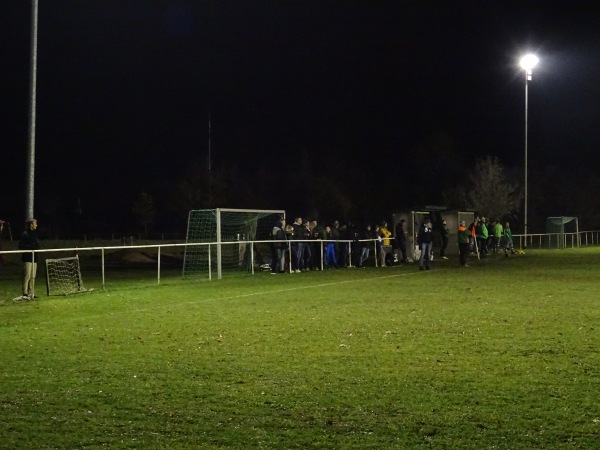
point(528, 62)
point(527, 78)
point(32, 110)
point(210, 202)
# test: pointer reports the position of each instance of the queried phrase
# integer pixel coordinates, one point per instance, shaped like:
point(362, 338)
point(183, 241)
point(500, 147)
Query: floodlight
point(528, 62)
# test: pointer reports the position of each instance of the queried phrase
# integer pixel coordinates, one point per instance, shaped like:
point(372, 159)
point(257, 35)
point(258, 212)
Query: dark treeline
point(321, 185)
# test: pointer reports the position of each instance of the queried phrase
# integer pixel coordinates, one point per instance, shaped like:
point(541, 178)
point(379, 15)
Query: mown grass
point(503, 354)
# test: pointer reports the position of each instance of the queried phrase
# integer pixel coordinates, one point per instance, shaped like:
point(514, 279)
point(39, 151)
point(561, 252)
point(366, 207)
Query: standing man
point(385, 247)
point(330, 257)
point(444, 232)
point(366, 241)
point(297, 247)
point(473, 242)
point(425, 241)
point(463, 243)
point(316, 255)
point(278, 247)
point(334, 235)
point(498, 232)
point(482, 237)
point(307, 238)
point(401, 241)
point(508, 240)
point(29, 241)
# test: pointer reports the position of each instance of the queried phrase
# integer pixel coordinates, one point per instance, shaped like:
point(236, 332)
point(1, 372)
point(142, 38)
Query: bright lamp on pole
point(527, 63)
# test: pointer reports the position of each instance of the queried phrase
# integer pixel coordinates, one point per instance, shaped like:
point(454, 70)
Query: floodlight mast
point(527, 63)
point(32, 111)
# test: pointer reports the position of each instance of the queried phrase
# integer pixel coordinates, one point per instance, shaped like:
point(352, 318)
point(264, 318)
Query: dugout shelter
point(414, 219)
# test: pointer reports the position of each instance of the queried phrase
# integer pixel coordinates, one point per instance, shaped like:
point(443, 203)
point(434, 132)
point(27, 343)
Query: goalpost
point(227, 240)
point(63, 276)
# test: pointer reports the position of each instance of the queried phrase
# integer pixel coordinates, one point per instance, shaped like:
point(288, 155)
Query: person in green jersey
point(508, 240)
point(498, 233)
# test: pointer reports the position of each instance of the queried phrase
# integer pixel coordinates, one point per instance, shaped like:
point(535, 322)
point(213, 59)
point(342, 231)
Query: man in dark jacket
point(444, 232)
point(425, 241)
point(400, 241)
point(278, 247)
point(368, 237)
point(29, 241)
point(307, 251)
point(297, 247)
point(317, 234)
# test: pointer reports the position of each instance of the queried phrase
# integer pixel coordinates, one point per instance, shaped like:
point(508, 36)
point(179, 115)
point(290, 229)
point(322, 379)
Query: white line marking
point(297, 288)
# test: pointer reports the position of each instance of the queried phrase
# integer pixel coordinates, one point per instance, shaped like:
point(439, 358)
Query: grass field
point(503, 354)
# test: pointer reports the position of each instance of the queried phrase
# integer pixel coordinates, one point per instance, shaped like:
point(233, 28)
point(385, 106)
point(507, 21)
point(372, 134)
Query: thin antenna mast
point(209, 166)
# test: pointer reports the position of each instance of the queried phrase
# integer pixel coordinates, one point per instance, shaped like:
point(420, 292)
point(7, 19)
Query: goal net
point(63, 276)
point(228, 239)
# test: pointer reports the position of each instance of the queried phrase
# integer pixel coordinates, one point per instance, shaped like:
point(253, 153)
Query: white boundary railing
point(558, 240)
point(535, 241)
point(209, 268)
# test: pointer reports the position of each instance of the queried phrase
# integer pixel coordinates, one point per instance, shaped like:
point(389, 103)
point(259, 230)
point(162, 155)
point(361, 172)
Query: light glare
point(529, 61)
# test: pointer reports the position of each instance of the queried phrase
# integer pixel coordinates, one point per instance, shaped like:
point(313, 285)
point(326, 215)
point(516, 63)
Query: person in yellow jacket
point(386, 247)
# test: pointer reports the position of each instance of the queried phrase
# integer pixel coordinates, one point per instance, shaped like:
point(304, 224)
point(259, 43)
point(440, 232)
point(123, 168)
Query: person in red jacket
point(464, 237)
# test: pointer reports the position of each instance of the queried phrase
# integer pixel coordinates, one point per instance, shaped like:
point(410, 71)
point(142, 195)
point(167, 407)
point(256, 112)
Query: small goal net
point(228, 239)
point(63, 276)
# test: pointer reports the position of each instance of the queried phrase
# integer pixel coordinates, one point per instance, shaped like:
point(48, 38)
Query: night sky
point(359, 89)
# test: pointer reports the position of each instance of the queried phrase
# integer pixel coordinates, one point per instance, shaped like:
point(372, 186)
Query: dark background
point(347, 110)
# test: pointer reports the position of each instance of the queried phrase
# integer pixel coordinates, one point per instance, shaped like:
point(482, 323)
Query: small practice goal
point(63, 276)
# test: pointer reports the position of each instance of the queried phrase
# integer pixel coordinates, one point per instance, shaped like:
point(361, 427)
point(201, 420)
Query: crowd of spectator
point(306, 245)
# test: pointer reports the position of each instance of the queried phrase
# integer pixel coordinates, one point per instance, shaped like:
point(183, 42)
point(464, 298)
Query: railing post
point(103, 274)
point(322, 256)
point(252, 256)
point(158, 271)
point(209, 264)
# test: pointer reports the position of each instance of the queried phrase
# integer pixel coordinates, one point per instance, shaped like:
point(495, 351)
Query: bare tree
point(145, 210)
point(200, 188)
point(490, 190)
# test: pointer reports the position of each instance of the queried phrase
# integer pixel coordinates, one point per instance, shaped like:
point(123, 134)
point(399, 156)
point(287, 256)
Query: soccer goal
point(63, 276)
point(228, 239)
